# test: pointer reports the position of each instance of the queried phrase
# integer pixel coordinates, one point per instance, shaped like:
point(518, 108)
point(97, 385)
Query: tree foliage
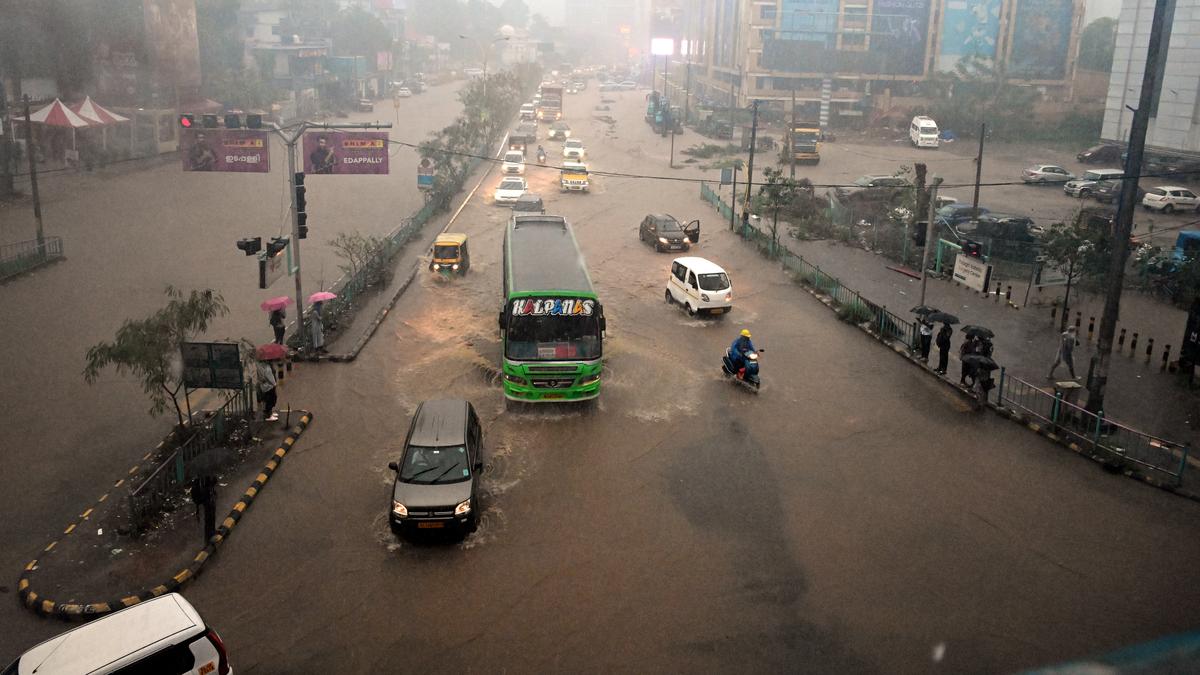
point(150, 348)
point(1081, 248)
point(978, 90)
point(447, 19)
point(1096, 44)
point(357, 32)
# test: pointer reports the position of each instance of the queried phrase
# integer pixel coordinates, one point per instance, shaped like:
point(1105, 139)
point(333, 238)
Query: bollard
point(1149, 348)
point(1133, 344)
point(1053, 311)
point(1166, 356)
point(997, 291)
point(1091, 327)
point(1078, 320)
point(1121, 340)
point(1008, 294)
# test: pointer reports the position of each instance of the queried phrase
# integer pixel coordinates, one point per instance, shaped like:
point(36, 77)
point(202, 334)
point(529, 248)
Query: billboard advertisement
point(236, 150)
point(899, 31)
point(345, 152)
point(969, 27)
point(666, 23)
point(172, 47)
point(1041, 39)
point(810, 20)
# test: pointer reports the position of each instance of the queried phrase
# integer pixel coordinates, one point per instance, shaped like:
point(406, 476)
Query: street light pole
point(483, 55)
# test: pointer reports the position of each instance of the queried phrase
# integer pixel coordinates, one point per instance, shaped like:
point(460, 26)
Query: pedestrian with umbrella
point(316, 320)
point(266, 377)
point(943, 345)
point(978, 341)
point(278, 312)
point(982, 367)
point(926, 321)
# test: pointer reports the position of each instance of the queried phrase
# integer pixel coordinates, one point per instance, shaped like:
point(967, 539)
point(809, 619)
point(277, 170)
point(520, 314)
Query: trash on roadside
point(117, 551)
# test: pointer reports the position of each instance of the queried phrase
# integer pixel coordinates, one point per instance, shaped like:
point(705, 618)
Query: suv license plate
point(433, 525)
point(719, 310)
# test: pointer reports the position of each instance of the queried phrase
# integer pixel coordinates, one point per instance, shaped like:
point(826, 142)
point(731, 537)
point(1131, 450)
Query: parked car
point(610, 86)
point(573, 149)
point(953, 214)
point(528, 203)
point(1107, 191)
point(366, 105)
point(514, 163)
point(877, 187)
point(403, 92)
point(1085, 185)
point(1046, 173)
point(510, 190)
point(700, 286)
point(664, 233)
point(560, 131)
point(437, 476)
point(162, 635)
point(1104, 153)
point(1170, 198)
point(527, 111)
point(628, 85)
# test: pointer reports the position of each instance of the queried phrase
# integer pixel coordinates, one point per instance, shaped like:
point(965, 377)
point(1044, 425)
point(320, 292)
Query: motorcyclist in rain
point(541, 155)
point(738, 350)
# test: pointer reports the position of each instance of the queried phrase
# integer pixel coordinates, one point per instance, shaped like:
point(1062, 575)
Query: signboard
point(212, 365)
point(726, 176)
point(425, 171)
point(272, 267)
point(1041, 39)
point(970, 27)
point(972, 272)
point(345, 152)
point(553, 307)
point(235, 150)
point(899, 30)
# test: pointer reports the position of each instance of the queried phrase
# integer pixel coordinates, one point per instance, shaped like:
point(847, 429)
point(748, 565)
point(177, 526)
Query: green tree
point(150, 348)
point(1080, 249)
point(1096, 44)
point(979, 90)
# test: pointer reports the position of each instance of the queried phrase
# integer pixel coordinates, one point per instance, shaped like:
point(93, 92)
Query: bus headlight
point(589, 379)
point(515, 379)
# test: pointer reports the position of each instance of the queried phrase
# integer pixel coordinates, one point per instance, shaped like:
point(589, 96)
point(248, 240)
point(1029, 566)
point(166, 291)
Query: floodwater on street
point(855, 516)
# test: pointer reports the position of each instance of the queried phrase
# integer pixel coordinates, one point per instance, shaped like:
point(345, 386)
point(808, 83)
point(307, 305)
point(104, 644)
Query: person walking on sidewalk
point(266, 390)
point(1066, 353)
point(926, 339)
point(969, 346)
point(943, 345)
point(318, 329)
point(276, 321)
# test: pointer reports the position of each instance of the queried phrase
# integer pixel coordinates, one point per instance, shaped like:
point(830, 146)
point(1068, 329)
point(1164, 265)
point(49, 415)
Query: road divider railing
point(22, 256)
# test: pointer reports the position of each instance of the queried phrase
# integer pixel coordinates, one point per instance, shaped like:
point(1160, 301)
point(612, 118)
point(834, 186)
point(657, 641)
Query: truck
point(573, 177)
point(551, 320)
point(806, 142)
point(549, 109)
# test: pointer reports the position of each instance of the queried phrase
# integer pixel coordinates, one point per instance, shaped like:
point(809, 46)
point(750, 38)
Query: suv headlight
point(399, 510)
point(463, 508)
point(663, 240)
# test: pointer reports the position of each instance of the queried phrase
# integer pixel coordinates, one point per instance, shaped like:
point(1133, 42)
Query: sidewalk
point(1139, 395)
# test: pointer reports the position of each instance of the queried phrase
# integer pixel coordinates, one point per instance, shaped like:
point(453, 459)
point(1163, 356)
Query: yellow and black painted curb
point(47, 607)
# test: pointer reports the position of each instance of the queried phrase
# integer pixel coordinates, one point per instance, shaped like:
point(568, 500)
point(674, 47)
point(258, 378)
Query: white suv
point(1170, 198)
point(514, 163)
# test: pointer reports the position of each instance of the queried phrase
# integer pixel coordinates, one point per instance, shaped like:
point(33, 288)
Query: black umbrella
point(920, 310)
point(941, 317)
point(980, 362)
point(978, 331)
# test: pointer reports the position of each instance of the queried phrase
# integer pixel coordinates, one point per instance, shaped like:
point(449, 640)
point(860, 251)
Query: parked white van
point(923, 132)
point(700, 286)
point(162, 635)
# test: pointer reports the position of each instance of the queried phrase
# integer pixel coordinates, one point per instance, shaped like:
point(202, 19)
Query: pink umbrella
point(275, 303)
point(321, 296)
point(271, 351)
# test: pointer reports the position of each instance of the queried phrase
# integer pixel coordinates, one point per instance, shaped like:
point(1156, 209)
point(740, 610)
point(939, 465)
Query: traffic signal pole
point(930, 233)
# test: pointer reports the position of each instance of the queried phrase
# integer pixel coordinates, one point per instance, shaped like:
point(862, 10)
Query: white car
point(628, 85)
point(514, 163)
point(1170, 198)
point(699, 286)
point(573, 149)
point(1046, 173)
point(403, 92)
point(510, 190)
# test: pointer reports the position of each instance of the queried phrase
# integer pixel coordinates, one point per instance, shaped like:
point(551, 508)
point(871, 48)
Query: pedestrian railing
point(148, 496)
point(1104, 437)
point(22, 256)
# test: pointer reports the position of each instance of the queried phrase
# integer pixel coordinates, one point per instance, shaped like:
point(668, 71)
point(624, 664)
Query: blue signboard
point(1041, 39)
point(970, 27)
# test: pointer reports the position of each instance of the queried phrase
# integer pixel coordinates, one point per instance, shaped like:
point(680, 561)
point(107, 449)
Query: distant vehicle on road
point(610, 86)
point(1105, 153)
point(514, 162)
point(923, 132)
point(873, 187)
point(953, 214)
point(437, 476)
point(700, 286)
point(560, 131)
point(527, 111)
point(573, 149)
point(1046, 173)
point(1107, 191)
point(573, 177)
point(664, 232)
point(628, 85)
point(1171, 198)
point(510, 190)
point(528, 203)
point(366, 105)
point(1085, 185)
point(403, 92)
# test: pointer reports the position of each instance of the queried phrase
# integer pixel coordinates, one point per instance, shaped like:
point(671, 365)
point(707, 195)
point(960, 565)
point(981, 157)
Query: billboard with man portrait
point(235, 150)
point(331, 152)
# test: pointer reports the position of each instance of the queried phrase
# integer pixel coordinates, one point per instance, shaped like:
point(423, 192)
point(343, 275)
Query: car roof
point(699, 265)
point(1173, 187)
point(450, 238)
point(440, 422)
point(663, 216)
point(529, 197)
point(143, 627)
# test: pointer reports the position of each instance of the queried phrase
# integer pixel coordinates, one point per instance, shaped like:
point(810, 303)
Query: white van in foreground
point(162, 635)
point(700, 286)
point(923, 132)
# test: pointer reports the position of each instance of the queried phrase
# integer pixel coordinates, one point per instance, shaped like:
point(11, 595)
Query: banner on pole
point(972, 272)
point(345, 152)
point(235, 150)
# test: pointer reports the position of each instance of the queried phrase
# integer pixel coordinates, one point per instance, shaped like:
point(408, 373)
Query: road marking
point(69, 529)
point(87, 513)
point(102, 498)
point(118, 483)
point(486, 173)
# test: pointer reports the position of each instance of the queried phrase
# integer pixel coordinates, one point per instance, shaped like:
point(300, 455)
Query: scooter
point(747, 375)
point(541, 157)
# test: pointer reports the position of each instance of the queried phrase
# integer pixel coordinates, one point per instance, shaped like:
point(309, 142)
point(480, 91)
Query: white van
point(162, 635)
point(700, 286)
point(923, 132)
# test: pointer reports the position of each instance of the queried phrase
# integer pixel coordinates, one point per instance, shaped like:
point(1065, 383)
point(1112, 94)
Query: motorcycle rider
point(541, 155)
point(738, 350)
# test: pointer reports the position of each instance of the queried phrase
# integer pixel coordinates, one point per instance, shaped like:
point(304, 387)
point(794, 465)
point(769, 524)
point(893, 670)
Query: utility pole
point(687, 92)
point(929, 235)
point(1155, 51)
point(8, 164)
point(33, 186)
point(791, 144)
point(978, 171)
point(750, 164)
point(733, 197)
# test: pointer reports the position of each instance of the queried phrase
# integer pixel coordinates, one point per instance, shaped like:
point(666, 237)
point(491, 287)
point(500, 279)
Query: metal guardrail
point(175, 471)
point(20, 257)
point(1105, 437)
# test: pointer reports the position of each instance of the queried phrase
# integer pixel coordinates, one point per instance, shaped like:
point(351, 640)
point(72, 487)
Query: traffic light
point(233, 121)
point(276, 245)
point(250, 245)
point(187, 120)
point(919, 229)
point(972, 248)
point(253, 121)
point(301, 203)
point(210, 121)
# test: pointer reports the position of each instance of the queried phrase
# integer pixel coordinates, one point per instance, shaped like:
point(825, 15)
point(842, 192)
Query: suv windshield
point(514, 157)
point(716, 281)
point(511, 185)
point(572, 143)
point(668, 226)
point(428, 466)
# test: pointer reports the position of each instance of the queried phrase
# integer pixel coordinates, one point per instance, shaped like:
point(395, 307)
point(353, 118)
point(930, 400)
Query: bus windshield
point(552, 338)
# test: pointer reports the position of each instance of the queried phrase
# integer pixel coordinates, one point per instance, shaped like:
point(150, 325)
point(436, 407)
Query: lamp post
point(483, 54)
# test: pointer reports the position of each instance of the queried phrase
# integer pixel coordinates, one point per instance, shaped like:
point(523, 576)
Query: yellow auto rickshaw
point(450, 254)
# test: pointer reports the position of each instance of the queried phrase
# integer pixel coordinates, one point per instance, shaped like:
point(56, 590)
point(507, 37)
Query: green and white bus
point(552, 323)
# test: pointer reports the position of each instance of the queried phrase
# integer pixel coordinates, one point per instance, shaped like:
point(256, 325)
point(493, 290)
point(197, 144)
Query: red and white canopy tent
point(98, 116)
point(57, 115)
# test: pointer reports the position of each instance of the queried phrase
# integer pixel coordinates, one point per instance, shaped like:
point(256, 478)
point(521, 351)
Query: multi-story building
point(1175, 110)
point(839, 55)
